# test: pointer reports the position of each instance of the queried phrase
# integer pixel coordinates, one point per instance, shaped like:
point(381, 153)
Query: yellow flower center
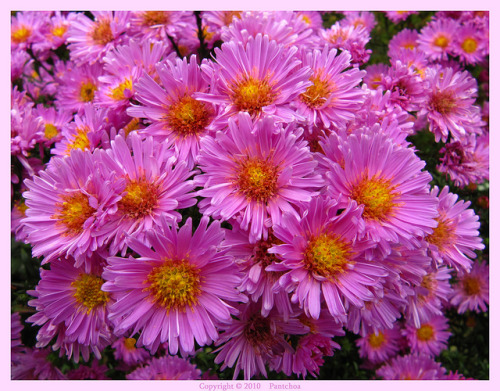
point(130, 343)
point(442, 235)
point(140, 200)
point(74, 212)
point(87, 91)
point(317, 94)
point(376, 340)
point(80, 141)
point(409, 45)
point(102, 33)
point(377, 195)
point(59, 31)
point(21, 206)
point(257, 179)
point(469, 45)
point(228, 16)
point(327, 255)
point(50, 131)
point(134, 124)
point(174, 285)
point(472, 286)
point(252, 95)
point(441, 41)
point(88, 291)
point(188, 116)
point(425, 333)
point(117, 93)
point(20, 35)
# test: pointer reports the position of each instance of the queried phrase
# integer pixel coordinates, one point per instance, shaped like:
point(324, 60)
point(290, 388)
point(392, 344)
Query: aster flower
point(252, 259)
point(90, 39)
point(77, 86)
point(152, 300)
point(255, 171)
point(333, 97)
point(153, 185)
point(26, 29)
point(251, 341)
point(374, 75)
point(174, 114)
point(66, 203)
point(456, 237)
point(92, 372)
point(125, 349)
point(471, 292)
point(430, 338)
point(436, 39)
point(52, 122)
point(379, 345)
point(471, 45)
point(166, 368)
point(35, 365)
point(56, 30)
point(157, 26)
point(449, 103)
point(260, 78)
point(466, 162)
point(387, 180)
point(322, 259)
point(364, 19)
point(406, 39)
point(412, 367)
point(398, 16)
point(73, 296)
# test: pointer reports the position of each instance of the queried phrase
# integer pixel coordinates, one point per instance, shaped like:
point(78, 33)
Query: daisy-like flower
point(77, 87)
point(430, 338)
point(257, 172)
point(471, 44)
point(467, 161)
point(379, 345)
point(406, 39)
point(25, 29)
point(176, 292)
point(398, 16)
point(86, 132)
point(322, 259)
point(388, 181)
point(52, 121)
point(456, 237)
point(260, 78)
point(251, 341)
point(125, 350)
point(73, 296)
point(471, 292)
point(90, 39)
point(157, 25)
point(35, 365)
point(154, 185)
point(66, 203)
point(334, 95)
point(364, 19)
point(309, 353)
point(413, 366)
point(374, 75)
point(428, 297)
point(449, 103)
point(350, 38)
point(56, 30)
point(437, 38)
point(166, 368)
point(174, 114)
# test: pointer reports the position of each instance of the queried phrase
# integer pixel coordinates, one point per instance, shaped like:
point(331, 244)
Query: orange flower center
point(59, 31)
point(21, 35)
point(318, 93)
point(469, 45)
point(130, 343)
point(228, 16)
point(443, 102)
point(87, 91)
point(377, 195)
point(376, 340)
point(154, 18)
point(442, 235)
point(327, 255)
point(472, 286)
point(74, 212)
point(140, 200)
point(80, 140)
point(174, 285)
point(188, 116)
point(88, 291)
point(425, 333)
point(252, 95)
point(441, 41)
point(257, 179)
point(102, 33)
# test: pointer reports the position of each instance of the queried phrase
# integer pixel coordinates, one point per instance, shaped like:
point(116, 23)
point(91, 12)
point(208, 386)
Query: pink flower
point(177, 292)
point(380, 344)
point(126, 351)
point(471, 292)
point(430, 338)
point(436, 39)
point(255, 172)
point(166, 368)
point(412, 367)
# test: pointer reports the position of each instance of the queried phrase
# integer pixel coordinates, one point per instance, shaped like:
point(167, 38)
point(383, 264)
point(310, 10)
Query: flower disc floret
point(141, 198)
point(74, 211)
point(88, 291)
point(327, 255)
point(257, 178)
point(317, 94)
point(378, 196)
point(251, 94)
point(188, 116)
point(425, 332)
point(176, 284)
point(102, 33)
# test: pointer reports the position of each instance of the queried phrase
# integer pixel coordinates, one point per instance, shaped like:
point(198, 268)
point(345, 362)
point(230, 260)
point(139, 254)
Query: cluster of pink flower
point(318, 216)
